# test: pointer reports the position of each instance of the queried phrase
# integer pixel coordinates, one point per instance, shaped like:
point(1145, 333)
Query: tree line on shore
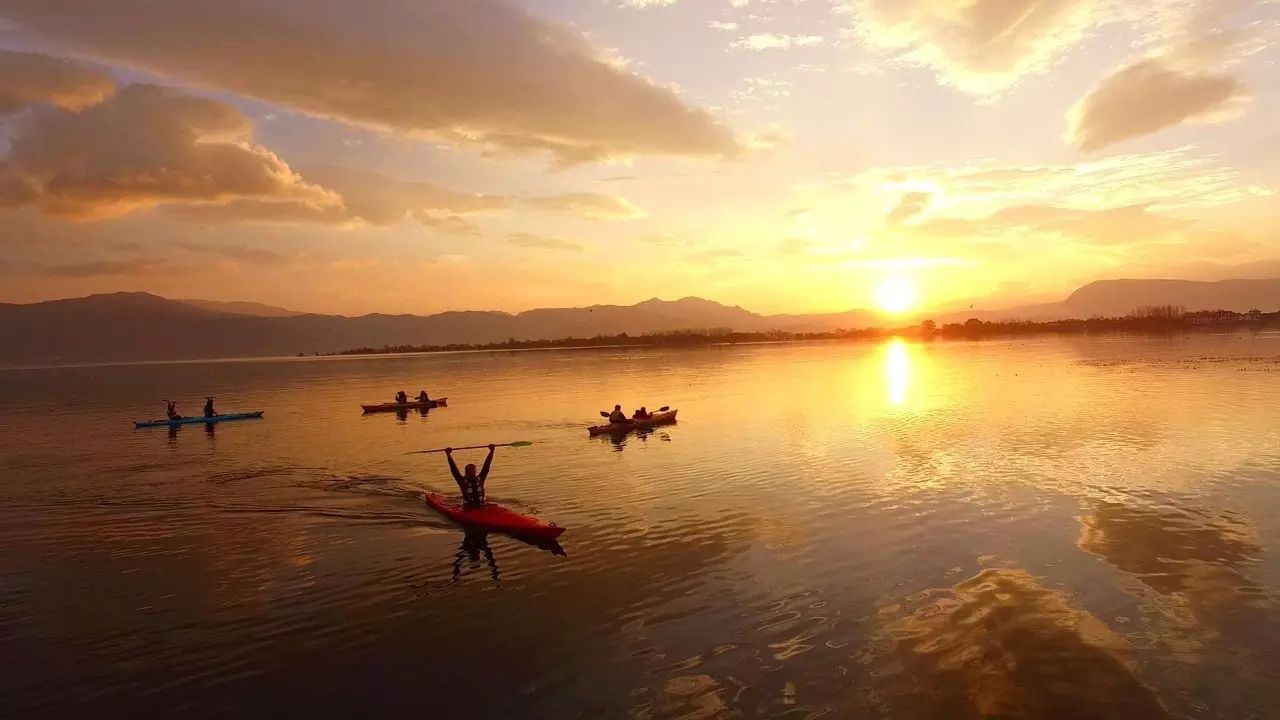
point(1157, 319)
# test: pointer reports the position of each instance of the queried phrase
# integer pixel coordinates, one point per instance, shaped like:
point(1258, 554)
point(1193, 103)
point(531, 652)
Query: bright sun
point(896, 295)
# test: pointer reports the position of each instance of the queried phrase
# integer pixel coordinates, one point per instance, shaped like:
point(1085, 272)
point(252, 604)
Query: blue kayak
point(198, 420)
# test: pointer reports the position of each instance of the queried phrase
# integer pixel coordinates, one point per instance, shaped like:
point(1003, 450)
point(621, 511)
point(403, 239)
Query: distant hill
point(140, 326)
point(1117, 297)
point(241, 307)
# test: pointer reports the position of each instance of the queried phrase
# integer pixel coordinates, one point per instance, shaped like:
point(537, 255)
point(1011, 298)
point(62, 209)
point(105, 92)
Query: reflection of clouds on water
point(1177, 551)
point(688, 697)
point(1190, 564)
point(1000, 644)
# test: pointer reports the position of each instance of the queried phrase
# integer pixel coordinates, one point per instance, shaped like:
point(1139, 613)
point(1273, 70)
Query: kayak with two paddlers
point(619, 423)
point(409, 405)
point(210, 416)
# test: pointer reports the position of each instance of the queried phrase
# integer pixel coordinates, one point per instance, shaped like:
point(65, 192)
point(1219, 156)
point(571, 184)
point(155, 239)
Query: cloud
point(663, 238)
point(795, 246)
point(1150, 96)
point(141, 147)
point(136, 267)
point(726, 26)
point(1166, 180)
point(983, 46)
point(447, 224)
point(715, 255)
point(593, 206)
point(1184, 78)
point(646, 3)
point(27, 78)
point(529, 240)
point(1107, 226)
point(242, 253)
point(481, 72)
point(911, 205)
point(361, 197)
point(775, 41)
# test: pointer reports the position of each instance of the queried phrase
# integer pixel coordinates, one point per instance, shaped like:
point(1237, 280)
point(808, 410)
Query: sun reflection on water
point(897, 370)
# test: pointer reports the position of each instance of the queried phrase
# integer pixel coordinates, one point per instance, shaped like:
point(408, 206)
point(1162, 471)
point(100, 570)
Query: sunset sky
point(362, 156)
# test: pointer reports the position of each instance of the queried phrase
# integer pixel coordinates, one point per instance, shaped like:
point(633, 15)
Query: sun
point(896, 295)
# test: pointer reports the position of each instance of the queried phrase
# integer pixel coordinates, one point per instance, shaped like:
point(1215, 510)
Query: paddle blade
point(604, 414)
point(520, 443)
point(664, 408)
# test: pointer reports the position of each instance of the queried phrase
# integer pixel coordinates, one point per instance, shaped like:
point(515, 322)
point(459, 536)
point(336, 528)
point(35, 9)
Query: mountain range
point(140, 326)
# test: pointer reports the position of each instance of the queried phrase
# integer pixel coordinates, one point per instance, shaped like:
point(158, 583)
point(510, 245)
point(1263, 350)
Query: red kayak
point(412, 404)
point(495, 518)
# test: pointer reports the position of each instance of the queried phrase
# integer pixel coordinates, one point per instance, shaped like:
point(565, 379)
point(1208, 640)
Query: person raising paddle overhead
point(469, 482)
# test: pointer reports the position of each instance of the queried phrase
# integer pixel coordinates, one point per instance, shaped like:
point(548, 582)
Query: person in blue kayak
point(172, 411)
point(401, 397)
point(208, 407)
point(469, 482)
point(617, 417)
point(422, 396)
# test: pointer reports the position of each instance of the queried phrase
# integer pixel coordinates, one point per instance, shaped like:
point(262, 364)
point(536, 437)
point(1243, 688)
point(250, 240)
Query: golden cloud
point(588, 205)
point(141, 147)
point(481, 72)
point(979, 47)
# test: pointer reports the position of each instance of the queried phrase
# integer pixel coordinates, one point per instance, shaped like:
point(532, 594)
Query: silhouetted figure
point(470, 483)
point(422, 396)
point(401, 397)
point(208, 407)
point(617, 417)
point(172, 411)
point(641, 414)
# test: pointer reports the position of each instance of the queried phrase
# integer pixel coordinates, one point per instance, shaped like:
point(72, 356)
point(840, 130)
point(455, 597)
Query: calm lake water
point(1043, 528)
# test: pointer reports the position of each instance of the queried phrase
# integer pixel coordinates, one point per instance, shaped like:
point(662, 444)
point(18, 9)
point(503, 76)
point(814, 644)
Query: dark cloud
point(480, 72)
point(27, 78)
point(1147, 97)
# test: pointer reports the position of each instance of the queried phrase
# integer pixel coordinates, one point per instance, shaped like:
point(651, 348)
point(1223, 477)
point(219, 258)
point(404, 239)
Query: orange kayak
point(658, 418)
point(412, 404)
point(495, 518)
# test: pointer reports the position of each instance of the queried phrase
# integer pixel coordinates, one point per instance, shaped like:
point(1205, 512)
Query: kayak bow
point(198, 420)
point(412, 404)
point(494, 518)
point(658, 418)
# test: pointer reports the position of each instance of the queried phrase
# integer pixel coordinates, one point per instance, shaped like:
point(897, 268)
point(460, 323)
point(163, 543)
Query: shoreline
point(910, 334)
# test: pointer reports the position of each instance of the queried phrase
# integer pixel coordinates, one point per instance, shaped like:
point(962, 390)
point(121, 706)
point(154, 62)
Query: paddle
point(518, 443)
point(664, 408)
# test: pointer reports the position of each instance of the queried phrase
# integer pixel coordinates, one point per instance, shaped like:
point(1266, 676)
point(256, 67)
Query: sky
point(414, 156)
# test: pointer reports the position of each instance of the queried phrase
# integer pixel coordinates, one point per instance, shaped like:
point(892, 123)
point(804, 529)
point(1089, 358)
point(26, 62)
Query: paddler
point(422, 397)
point(208, 407)
point(617, 417)
point(401, 397)
point(172, 411)
point(469, 482)
point(641, 414)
